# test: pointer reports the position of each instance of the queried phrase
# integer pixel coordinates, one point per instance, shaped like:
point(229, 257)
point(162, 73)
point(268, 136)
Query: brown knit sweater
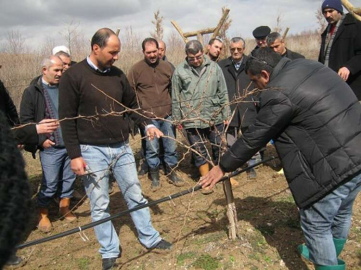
point(152, 84)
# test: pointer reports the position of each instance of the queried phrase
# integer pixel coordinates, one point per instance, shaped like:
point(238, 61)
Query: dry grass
point(18, 69)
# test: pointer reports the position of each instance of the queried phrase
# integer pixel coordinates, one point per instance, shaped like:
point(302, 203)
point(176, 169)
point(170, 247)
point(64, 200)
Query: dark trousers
point(197, 138)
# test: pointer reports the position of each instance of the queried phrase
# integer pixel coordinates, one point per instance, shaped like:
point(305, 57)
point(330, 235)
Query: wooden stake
point(200, 38)
point(357, 11)
point(221, 22)
point(285, 33)
point(117, 32)
point(231, 210)
point(354, 11)
point(202, 32)
point(179, 31)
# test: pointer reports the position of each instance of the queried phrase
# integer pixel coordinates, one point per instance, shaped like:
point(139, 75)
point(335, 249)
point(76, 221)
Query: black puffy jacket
point(315, 120)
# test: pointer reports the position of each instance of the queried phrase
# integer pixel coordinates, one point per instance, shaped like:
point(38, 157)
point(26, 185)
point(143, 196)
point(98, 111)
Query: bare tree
point(75, 40)
point(320, 21)
point(14, 43)
point(278, 27)
point(158, 24)
point(48, 45)
point(70, 33)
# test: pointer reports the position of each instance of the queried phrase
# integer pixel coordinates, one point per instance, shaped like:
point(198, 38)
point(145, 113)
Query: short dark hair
point(193, 47)
point(271, 38)
point(263, 59)
point(101, 37)
point(149, 40)
point(212, 40)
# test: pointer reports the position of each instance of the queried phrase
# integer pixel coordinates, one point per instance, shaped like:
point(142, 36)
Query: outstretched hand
point(211, 178)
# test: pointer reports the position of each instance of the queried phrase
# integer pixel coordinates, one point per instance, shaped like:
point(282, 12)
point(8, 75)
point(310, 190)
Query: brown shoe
point(44, 224)
point(234, 182)
point(65, 211)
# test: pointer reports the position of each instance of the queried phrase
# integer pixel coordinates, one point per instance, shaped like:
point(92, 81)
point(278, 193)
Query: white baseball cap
point(61, 48)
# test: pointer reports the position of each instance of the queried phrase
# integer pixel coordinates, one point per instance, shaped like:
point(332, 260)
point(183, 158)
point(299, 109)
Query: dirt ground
point(196, 224)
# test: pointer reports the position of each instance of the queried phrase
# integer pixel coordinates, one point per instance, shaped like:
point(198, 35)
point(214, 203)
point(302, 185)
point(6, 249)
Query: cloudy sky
point(38, 20)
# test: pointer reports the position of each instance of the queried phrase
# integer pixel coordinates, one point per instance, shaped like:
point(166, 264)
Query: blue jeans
point(327, 219)
point(119, 157)
point(170, 145)
point(57, 175)
point(197, 137)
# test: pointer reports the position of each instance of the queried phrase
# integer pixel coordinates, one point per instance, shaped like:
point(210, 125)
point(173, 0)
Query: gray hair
point(161, 41)
point(238, 39)
point(271, 38)
point(193, 47)
point(50, 61)
point(61, 53)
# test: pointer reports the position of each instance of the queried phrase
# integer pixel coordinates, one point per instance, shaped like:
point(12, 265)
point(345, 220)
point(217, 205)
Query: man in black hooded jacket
point(314, 118)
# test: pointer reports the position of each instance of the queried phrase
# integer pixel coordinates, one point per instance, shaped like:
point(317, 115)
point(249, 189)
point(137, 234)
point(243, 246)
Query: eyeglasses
point(192, 59)
point(236, 49)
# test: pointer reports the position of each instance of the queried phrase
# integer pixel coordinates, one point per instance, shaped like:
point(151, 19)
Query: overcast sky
point(38, 20)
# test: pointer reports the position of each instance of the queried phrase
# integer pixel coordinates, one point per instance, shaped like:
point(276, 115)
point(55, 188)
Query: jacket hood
point(277, 69)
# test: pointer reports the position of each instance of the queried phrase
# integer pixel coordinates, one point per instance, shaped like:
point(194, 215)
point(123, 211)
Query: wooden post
point(285, 33)
point(357, 11)
point(200, 33)
point(221, 22)
point(354, 11)
point(117, 32)
point(200, 38)
point(231, 210)
point(179, 31)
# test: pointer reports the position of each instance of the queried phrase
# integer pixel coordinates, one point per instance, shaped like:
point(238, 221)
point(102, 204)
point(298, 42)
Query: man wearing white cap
point(63, 53)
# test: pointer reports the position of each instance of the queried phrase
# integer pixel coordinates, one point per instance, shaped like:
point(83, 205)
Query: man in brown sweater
point(151, 80)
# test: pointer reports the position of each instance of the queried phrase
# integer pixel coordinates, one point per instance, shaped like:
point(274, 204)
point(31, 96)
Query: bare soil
point(196, 224)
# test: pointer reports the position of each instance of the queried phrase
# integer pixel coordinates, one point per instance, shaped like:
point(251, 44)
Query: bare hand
point(47, 126)
point(211, 178)
point(225, 122)
point(153, 132)
point(344, 72)
point(78, 166)
point(48, 143)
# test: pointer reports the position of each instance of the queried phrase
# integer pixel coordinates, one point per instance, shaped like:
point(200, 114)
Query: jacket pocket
point(306, 167)
point(186, 81)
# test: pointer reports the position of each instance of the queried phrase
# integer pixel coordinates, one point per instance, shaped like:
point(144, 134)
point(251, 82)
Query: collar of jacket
point(229, 61)
point(281, 64)
point(152, 65)
point(349, 19)
point(37, 83)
